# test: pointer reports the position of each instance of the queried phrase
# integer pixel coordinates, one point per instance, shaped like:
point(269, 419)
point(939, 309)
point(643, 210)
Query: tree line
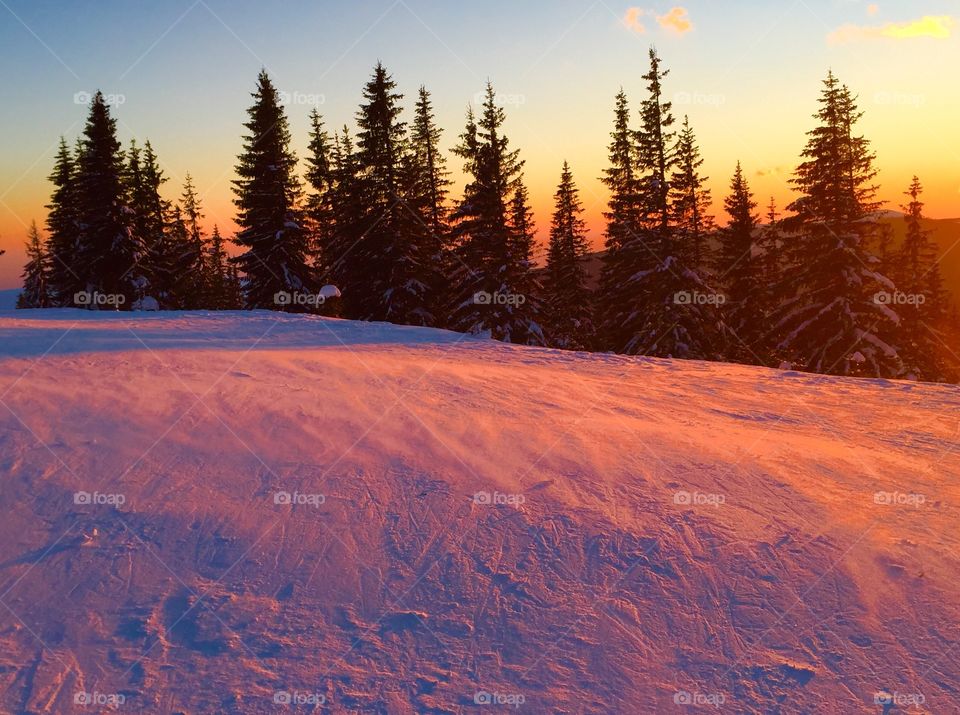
point(822, 289)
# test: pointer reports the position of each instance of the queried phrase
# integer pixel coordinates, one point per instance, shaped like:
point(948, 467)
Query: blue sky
point(746, 72)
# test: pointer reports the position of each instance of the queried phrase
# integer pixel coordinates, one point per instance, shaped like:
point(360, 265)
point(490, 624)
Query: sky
point(747, 72)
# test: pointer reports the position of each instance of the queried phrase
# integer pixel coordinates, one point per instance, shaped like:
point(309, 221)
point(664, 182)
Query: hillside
point(224, 512)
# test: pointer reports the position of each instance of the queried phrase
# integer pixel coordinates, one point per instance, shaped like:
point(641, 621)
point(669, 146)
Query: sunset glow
point(181, 75)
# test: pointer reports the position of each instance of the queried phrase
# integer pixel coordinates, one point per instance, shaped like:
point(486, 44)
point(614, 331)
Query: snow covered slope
point(259, 512)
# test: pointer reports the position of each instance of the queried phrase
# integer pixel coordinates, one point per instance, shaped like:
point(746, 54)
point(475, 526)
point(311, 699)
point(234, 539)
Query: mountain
point(258, 512)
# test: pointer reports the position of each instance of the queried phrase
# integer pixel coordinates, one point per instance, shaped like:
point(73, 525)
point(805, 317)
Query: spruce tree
point(428, 188)
point(320, 217)
point(672, 311)
point(275, 245)
point(920, 300)
point(63, 229)
point(771, 244)
point(36, 273)
point(623, 255)
point(569, 319)
point(691, 200)
point(491, 227)
point(740, 270)
point(219, 292)
point(152, 227)
point(142, 181)
point(180, 257)
point(194, 279)
point(830, 320)
point(340, 266)
point(235, 285)
point(433, 178)
point(108, 252)
point(393, 251)
point(519, 271)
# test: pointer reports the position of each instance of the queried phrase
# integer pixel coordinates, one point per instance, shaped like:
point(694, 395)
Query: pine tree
point(739, 268)
point(180, 257)
point(830, 318)
point(920, 299)
point(320, 215)
point(518, 272)
point(108, 252)
point(142, 181)
point(235, 284)
point(274, 260)
point(569, 321)
point(771, 264)
point(691, 200)
point(36, 273)
point(63, 229)
point(429, 185)
point(433, 182)
point(340, 266)
point(491, 235)
point(219, 291)
point(154, 228)
point(194, 279)
point(624, 254)
point(672, 311)
point(393, 253)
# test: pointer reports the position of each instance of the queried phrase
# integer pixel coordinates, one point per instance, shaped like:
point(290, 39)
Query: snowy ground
point(8, 298)
point(662, 533)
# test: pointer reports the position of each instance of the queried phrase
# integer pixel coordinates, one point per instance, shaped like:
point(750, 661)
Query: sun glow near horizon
point(185, 77)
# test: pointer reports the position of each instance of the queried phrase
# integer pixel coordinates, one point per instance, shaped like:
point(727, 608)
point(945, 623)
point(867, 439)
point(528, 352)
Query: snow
point(205, 511)
point(147, 303)
point(329, 291)
point(8, 298)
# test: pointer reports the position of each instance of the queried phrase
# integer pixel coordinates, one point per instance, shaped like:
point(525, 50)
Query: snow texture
point(211, 512)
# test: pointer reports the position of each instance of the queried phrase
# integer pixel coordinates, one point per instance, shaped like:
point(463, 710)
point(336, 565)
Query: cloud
point(873, 9)
point(631, 20)
point(772, 171)
point(934, 26)
point(677, 20)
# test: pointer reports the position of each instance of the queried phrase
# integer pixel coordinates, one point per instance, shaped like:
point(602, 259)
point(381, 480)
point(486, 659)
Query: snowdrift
point(264, 513)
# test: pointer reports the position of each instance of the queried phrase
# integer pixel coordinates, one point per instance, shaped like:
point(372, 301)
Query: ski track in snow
point(778, 584)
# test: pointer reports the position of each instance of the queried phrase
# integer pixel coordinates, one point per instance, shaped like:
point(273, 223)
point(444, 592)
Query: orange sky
point(747, 73)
